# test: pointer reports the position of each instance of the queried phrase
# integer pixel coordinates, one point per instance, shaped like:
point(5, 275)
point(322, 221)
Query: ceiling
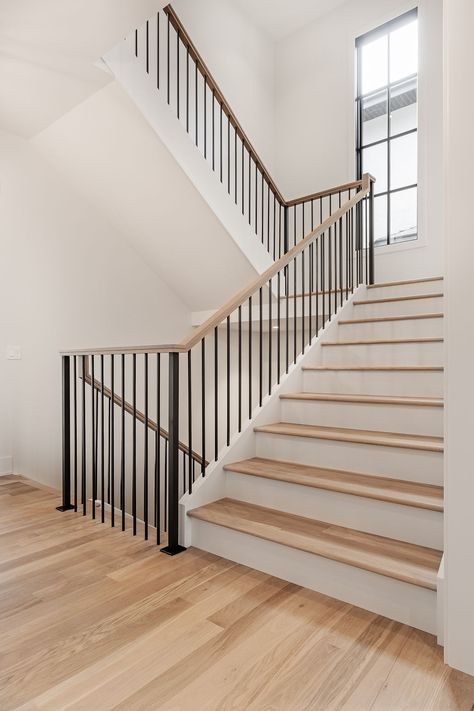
point(279, 18)
point(48, 50)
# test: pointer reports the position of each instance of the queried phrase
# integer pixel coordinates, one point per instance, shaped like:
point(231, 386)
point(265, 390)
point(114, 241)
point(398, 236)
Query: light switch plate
point(13, 353)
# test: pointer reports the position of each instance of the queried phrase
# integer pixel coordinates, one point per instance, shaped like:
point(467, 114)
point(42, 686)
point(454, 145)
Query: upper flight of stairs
point(344, 491)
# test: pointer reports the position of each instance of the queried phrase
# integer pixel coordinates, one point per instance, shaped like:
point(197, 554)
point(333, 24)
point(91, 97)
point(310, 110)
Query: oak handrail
point(241, 296)
point(152, 425)
point(213, 86)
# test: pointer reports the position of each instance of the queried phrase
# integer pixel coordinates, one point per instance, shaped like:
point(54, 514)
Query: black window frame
point(388, 88)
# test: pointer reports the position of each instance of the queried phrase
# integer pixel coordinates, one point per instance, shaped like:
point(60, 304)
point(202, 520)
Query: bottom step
point(388, 577)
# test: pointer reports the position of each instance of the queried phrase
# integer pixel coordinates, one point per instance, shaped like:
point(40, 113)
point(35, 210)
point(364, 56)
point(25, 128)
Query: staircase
point(344, 493)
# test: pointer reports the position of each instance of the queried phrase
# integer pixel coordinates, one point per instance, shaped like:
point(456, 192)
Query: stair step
point(375, 368)
point(346, 434)
point(368, 399)
point(379, 319)
point(402, 283)
point(390, 299)
point(395, 559)
point(382, 341)
point(395, 491)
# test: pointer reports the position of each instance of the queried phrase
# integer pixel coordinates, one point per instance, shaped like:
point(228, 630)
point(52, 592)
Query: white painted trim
point(6, 465)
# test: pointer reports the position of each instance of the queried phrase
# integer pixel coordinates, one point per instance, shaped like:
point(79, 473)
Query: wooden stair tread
point(397, 491)
point(383, 284)
point(400, 368)
point(403, 561)
point(369, 399)
point(380, 319)
point(389, 299)
point(346, 434)
point(383, 341)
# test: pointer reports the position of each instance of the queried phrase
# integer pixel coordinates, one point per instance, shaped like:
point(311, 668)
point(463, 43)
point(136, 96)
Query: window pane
point(374, 161)
point(404, 51)
point(380, 220)
point(374, 118)
point(403, 215)
point(403, 161)
point(374, 69)
point(403, 107)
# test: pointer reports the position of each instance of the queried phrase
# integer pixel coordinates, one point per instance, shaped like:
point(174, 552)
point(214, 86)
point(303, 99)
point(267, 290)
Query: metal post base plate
point(69, 507)
point(168, 550)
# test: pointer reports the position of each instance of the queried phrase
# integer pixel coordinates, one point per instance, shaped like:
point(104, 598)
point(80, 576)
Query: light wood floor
point(93, 619)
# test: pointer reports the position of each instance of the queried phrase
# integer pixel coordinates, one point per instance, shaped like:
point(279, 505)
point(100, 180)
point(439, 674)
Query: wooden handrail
point(152, 425)
point(213, 86)
point(240, 298)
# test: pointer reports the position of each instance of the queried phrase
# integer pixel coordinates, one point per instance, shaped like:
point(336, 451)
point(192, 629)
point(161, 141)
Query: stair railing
point(177, 70)
point(204, 390)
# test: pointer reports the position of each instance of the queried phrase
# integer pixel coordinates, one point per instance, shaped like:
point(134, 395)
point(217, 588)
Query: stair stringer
point(130, 73)
point(213, 485)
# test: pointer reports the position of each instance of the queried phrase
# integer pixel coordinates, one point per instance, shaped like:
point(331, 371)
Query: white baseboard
point(6, 465)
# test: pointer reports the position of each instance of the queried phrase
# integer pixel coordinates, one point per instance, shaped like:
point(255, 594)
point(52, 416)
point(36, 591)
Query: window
point(387, 123)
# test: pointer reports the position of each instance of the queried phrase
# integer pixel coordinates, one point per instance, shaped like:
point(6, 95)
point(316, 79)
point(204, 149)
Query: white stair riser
point(386, 418)
point(383, 354)
point(426, 287)
point(414, 328)
point(379, 382)
point(396, 462)
point(403, 523)
point(399, 308)
point(400, 601)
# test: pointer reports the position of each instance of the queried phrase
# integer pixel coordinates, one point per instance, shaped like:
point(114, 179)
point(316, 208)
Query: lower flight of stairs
point(344, 493)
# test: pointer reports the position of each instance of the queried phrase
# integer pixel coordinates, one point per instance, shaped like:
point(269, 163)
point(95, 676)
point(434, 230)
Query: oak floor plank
point(122, 626)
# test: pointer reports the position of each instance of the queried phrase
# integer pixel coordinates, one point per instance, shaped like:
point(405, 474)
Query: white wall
point(315, 128)
point(68, 279)
point(241, 59)
point(112, 156)
point(459, 479)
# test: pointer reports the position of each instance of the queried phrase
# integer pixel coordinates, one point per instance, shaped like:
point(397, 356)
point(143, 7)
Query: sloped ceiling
point(48, 51)
point(279, 18)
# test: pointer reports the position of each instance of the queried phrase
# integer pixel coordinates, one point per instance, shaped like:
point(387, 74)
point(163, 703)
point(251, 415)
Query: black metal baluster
point(136, 43)
point(147, 48)
point(102, 437)
point(216, 393)
point(243, 180)
point(94, 434)
point(134, 443)
point(168, 61)
point(157, 486)
point(239, 404)
point(235, 165)
point(310, 286)
point(274, 226)
point(177, 74)
point(187, 88)
point(122, 446)
point(158, 50)
point(316, 279)
point(256, 198)
point(302, 302)
point(260, 351)
point(74, 375)
point(145, 448)
point(213, 127)
point(341, 283)
point(261, 210)
point(250, 358)
point(228, 155)
point(287, 294)
point(294, 308)
point(279, 327)
point(83, 441)
point(205, 116)
point(196, 102)
point(268, 217)
point(228, 379)
point(203, 407)
point(270, 336)
point(112, 440)
point(66, 436)
point(250, 191)
point(323, 280)
point(220, 144)
point(190, 426)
